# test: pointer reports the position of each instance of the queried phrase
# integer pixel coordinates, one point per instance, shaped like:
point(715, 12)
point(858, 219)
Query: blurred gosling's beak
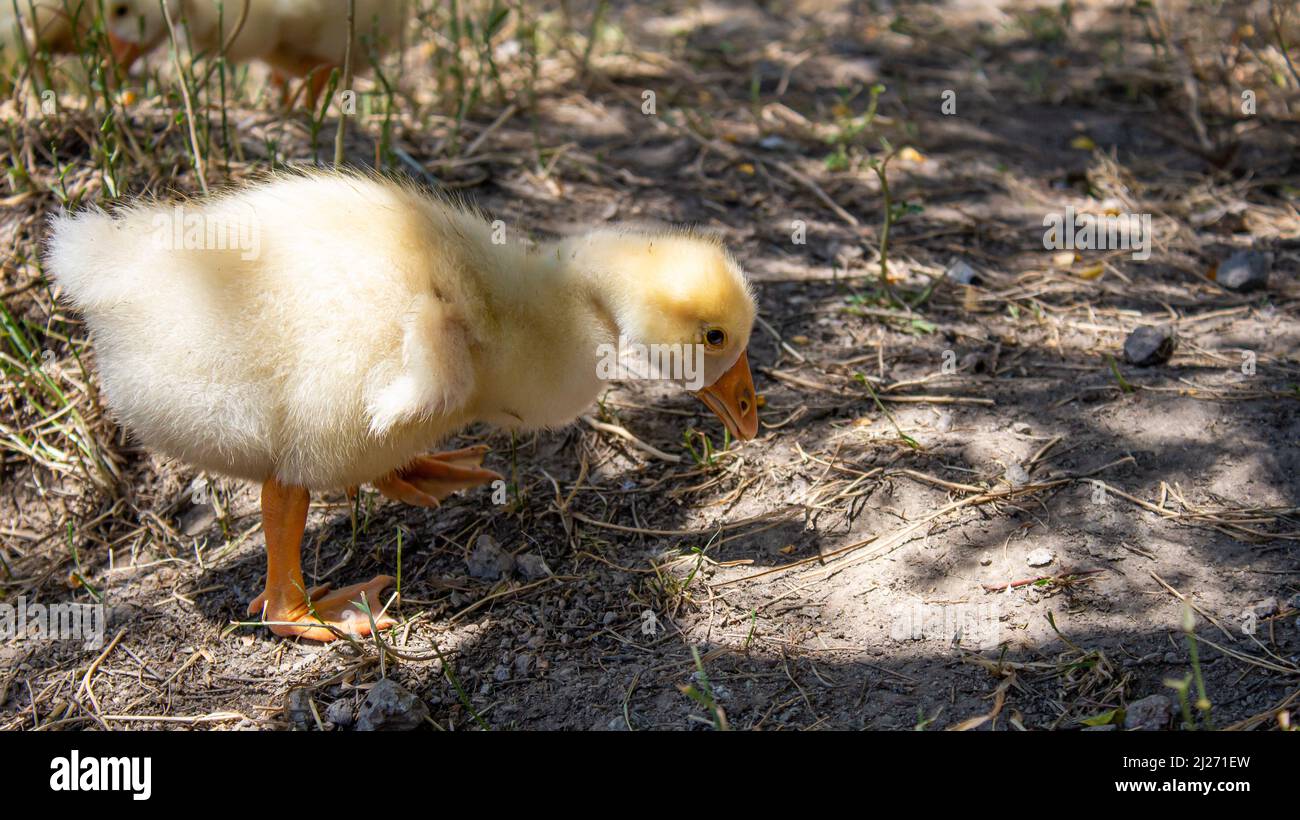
point(126, 53)
point(732, 399)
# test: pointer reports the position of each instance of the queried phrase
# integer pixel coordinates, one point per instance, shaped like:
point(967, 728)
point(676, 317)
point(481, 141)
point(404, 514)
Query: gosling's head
point(684, 293)
point(136, 26)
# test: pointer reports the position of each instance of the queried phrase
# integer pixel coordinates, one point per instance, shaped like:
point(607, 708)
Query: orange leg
point(315, 76)
point(287, 605)
point(430, 479)
point(315, 81)
point(281, 84)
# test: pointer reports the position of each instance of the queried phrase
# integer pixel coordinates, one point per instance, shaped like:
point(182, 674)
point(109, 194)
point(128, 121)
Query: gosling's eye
point(120, 10)
point(715, 337)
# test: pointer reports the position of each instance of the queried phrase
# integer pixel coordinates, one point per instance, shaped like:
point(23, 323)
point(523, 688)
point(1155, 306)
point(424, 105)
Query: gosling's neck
point(552, 310)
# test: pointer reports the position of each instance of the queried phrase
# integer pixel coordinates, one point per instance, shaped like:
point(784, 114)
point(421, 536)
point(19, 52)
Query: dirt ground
point(1003, 540)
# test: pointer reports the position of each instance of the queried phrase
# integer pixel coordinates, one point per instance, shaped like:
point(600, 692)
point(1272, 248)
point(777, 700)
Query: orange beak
point(732, 400)
point(124, 52)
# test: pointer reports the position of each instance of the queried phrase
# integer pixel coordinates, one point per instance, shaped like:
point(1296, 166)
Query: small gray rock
point(1016, 475)
point(719, 691)
point(1022, 428)
point(1264, 608)
point(1040, 557)
point(1151, 714)
point(298, 707)
point(974, 362)
point(773, 143)
point(962, 273)
point(197, 519)
point(488, 561)
point(460, 599)
point(663, 155)
point(533, 567)
point(1245, 271)
point(846, 252)
point(502, 673)
point(340, 713)
point(1147, 346)
point(389, 707)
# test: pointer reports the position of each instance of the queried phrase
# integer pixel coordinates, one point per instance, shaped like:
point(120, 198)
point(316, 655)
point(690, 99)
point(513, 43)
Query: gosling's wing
point(435, 373)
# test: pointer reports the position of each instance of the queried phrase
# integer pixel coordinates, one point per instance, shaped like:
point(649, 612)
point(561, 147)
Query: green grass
point(48, 424)
point(701, 691)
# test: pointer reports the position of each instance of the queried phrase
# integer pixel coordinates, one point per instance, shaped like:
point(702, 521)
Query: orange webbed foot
point(429, 479)
point(337, 609)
